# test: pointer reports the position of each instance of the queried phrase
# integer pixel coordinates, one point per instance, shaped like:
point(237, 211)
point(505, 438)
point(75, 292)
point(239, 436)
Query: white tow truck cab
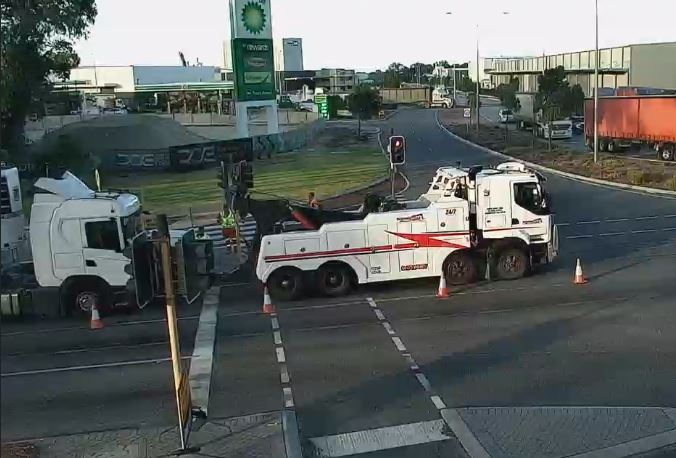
point(77, 237)
point(468, 220)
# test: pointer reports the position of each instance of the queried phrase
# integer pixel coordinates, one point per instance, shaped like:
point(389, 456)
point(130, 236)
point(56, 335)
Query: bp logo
point(253, 18)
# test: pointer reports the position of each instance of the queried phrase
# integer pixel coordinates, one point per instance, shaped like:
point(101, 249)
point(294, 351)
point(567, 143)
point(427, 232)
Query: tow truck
point(471, 221)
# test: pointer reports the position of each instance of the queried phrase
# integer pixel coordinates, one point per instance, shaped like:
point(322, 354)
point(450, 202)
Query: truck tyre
point(603, 144)
point(82, 294)
point(512, 263)
point(459, 268)
point(612, 147)
point(333, 280)
point(666, 153)
point(286, 283)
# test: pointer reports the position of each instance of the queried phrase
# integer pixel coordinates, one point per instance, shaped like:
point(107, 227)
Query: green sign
point(322, 103)
point(254, 69)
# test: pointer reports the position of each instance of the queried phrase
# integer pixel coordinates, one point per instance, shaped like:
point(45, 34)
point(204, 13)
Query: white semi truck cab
point(491, 221)
point(78, 237)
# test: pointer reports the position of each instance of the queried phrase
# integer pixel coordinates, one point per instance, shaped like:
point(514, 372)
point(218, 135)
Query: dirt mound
point(123, 133)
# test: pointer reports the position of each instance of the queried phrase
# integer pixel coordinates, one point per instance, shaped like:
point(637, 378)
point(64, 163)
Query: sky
point(370, 34)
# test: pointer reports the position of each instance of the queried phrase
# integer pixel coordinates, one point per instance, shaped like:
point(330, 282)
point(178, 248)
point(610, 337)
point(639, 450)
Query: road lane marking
point(588, 222)
point(290, 429)
point(617, 220)
point(388, 328)
point(380, 315)
point(641, 218)
point(579, 236)
point(398, 343)
point(281, 357)
point(610, 234)
point(82, 328)
point(373, 440)
point(438, 402)
point(202, 361)
point(643, 231)
point(87, 367)
point(459, 428)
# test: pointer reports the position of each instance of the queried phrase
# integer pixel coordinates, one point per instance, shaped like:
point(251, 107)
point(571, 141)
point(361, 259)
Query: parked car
point(506, 115)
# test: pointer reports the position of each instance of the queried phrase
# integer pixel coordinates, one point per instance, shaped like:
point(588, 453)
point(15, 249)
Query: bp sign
point(250, 19)
point(252, 53)
point(254, 69)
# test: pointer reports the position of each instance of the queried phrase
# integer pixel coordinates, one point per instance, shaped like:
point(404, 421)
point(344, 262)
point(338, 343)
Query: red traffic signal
point(397, 149)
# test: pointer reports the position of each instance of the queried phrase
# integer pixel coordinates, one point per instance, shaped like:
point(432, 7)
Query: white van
point(560, 129)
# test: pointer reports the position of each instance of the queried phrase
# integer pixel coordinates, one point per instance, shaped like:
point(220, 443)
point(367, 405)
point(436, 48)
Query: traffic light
point(397, 149)
point(247, 175)
point(140, 267)
point(196, 263)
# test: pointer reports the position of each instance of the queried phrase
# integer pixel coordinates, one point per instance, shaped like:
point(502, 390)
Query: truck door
point(525, 202)
point(66, 247)
point(496, 205)
point(414, 259)
point(451, 219)
point(378, 237)
point(102, 245)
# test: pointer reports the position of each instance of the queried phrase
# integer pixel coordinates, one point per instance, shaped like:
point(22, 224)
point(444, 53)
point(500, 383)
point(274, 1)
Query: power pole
point(596, 84)
point(477, 79)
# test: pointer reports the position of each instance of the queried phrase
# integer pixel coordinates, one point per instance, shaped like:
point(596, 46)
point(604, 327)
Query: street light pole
point(596, 84)
point(477, 79)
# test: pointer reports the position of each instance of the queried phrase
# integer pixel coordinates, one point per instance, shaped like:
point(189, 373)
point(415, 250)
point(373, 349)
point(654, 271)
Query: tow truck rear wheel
point(333, 280)
point(81, 295)
point(286, 284)
point(460, 269)
point(512, 263)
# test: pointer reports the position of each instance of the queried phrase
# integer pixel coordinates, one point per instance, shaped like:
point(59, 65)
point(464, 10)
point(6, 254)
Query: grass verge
point(290, 175)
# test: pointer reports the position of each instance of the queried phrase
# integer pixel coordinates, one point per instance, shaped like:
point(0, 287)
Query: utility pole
point(596, 83)
point(477, 79)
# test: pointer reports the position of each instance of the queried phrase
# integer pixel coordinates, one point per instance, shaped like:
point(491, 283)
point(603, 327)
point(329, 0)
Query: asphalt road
point(392, 358)
point(60, 377)
point(539, 341)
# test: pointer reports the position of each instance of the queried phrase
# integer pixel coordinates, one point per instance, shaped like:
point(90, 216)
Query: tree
point(507, 94)
point(577, 99)
point(363, 102)
point(37, 44)
point(466, 84)
point(392, 79)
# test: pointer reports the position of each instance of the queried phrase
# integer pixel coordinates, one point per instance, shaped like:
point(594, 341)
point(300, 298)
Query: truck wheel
point(333, 280)
point(82, 295)
point(460, 269)
point(286, 284)
point(603, 145)
point(612, 147)
point(512, 264)
point(666, 153)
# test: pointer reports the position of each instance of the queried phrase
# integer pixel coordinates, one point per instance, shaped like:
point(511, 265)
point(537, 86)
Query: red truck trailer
point(625, 120)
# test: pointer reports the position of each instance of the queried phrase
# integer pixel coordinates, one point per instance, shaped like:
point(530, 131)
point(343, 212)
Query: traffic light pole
point(170, 299)
point(393, 173)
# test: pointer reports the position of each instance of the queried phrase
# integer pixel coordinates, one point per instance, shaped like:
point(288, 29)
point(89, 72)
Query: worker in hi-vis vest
point(227, 221)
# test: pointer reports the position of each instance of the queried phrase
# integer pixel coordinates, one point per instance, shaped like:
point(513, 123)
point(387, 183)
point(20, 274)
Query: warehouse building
point(640, 65)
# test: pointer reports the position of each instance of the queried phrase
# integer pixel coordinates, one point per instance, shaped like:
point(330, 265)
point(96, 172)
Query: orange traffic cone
point(95, 322)
point(579, 278)
point(267, 302)
point(443, 290)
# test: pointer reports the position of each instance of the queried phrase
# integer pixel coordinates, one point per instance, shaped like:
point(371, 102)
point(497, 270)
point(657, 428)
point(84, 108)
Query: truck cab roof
point(70, 187)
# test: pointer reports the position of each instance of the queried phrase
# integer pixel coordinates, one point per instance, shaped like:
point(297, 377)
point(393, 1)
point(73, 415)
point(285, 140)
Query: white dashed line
point(288, 396)
point(588, 222)
point(284, 374)
point(380, 315)
point(278, 337)
point(281, 357)
point(423, 381)
point(399, 344)
point(275, 323)
point(641, 218)
point(439, 404)
point(388, 328)
point(610, 234)
point(616, 220)
point(579, 236)
point(643, 231)
point(562, 224)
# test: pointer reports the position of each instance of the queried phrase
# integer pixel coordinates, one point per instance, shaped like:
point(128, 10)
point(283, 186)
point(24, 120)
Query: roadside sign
point(467, 113)
point(322, 105)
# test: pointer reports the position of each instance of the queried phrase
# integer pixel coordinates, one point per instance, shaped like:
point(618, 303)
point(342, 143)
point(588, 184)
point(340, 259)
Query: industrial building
point(289, 55)
point(335, 81)
point(641, 65)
